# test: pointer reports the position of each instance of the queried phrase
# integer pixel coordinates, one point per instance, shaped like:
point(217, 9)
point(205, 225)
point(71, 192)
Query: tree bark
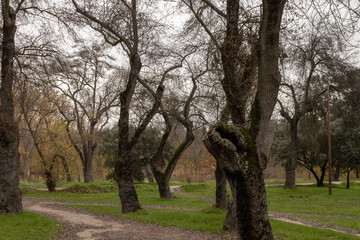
point(87, 168)
point(348, 178)
point(240, 148)
point(221, 199)
point(248, 185)
point(126, 186)
point(10, 194)
point(124, 163)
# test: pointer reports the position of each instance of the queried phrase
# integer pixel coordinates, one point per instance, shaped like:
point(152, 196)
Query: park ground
point(93, 211)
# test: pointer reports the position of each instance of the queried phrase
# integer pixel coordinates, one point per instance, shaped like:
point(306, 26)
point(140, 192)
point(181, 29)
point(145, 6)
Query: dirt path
point(88, 226)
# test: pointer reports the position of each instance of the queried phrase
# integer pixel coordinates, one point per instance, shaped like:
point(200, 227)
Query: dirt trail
point(88, 226)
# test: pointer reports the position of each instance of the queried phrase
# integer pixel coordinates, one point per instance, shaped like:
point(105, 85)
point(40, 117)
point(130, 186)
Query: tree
point(239, 146)
point(48, 134)
point(89, 84)
point(133, 30)
point(320, 55)
point(163, 175)
point(346, 125)
point(313, 146)
point(10, 194)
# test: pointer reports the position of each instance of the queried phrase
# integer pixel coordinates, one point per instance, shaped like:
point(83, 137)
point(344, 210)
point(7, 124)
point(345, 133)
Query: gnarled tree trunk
point(239, 149)
point(10, 194)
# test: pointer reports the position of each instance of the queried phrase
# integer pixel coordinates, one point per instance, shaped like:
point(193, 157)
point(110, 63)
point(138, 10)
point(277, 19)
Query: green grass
point(288, 231)
point(314, 200)
point(28, 226)
point(147, 193)
point(343, 203)
point(336, 221)
point(208, 220)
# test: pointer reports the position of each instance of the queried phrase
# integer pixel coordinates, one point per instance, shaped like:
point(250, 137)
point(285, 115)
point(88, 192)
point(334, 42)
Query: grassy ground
point(340, 209)
point(28, 226)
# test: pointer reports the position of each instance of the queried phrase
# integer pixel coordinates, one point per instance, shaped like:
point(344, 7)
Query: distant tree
point(90, 85)
point(346, 128)
point(47, 133)
point(320, 54)
point(313, 146)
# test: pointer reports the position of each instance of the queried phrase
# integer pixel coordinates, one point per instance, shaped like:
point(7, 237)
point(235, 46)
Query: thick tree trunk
point(10, 194)
point(357, 172)
point(247, 183)
point(221, 199)
point(126, 186)
point(88, 151)
point(50, 181)
point(87, 171)
point(290, 167)
point(164, 189)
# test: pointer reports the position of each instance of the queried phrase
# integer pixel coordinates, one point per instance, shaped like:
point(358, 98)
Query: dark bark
point(357, 172)
point(125, 181)
point(10, 194)
point(248, 186)
point(50, 180)
point(87, 167)
point(221, 199)
point(230, 222)
point(348, 179)
point(240, 148)
point(124, 163)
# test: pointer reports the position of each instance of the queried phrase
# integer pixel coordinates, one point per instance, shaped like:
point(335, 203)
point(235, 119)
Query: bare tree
point(89, 84)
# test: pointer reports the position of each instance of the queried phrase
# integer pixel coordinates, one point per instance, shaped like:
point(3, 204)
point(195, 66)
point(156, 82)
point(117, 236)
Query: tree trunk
point(247, 183)
point(348, 179)
point(149, 173)
point(126, 186)
point(66, 168)
point(164, 188)
point(88, 158)
point(230, 222)
point(291, 163)
point(50, 181)
point(221, 200)
point(357, 172)
point(322, 176)
point(10, 194)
